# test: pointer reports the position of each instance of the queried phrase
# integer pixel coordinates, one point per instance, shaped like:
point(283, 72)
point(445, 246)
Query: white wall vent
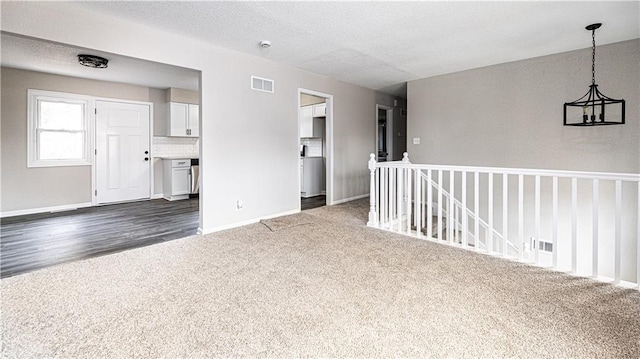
point(261, 84)
point(543, 245)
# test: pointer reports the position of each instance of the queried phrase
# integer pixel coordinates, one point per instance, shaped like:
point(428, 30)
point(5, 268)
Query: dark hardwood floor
point(42, 240)
point(313, 202)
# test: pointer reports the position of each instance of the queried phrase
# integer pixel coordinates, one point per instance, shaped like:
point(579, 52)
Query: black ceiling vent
point(93, 61)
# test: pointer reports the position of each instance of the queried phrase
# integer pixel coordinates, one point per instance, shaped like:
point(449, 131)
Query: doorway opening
point(115, 202)
point(384, 133)
point(315, 137)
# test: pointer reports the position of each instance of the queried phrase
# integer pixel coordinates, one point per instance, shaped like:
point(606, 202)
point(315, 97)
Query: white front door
point(123, 163)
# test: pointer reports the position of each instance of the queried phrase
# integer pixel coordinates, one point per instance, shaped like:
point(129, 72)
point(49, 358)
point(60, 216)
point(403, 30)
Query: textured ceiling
point(381, 45)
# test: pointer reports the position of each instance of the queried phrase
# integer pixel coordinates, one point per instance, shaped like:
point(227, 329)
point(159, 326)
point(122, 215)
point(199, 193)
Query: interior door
point(123, 164)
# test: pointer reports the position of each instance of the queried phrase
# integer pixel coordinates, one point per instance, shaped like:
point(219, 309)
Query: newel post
point(373, 217)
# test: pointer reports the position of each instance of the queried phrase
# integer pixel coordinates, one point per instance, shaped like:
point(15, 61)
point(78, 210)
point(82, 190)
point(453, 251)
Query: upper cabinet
point(306, 121)
point(183, 120)
point(320, 110)
point(312, 120)
point(193, 121)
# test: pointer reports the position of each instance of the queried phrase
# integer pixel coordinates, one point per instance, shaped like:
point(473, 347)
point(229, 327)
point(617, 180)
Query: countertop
point(178, 157)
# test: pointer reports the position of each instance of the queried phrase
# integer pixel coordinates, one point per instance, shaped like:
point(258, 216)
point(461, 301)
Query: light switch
point(416, 140)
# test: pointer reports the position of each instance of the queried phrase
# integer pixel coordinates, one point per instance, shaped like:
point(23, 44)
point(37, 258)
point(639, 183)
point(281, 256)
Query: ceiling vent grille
point(261, 84)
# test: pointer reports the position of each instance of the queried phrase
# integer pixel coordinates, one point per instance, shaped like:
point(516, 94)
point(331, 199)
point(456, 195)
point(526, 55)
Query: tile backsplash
point(314, 146)
point(175, 146)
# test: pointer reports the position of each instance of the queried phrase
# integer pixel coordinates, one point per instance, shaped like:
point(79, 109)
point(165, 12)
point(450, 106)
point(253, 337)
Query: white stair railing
point(591, 220)
point(459, 222)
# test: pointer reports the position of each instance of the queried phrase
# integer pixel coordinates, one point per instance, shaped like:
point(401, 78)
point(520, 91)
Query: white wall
point(249, 140)
point(510, 115)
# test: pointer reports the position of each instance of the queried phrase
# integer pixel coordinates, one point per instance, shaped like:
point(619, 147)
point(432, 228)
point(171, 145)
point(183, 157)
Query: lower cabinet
point(177, 179)
point(311, 176)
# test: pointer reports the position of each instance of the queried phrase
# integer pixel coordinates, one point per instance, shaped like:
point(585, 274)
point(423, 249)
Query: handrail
point(516, 171)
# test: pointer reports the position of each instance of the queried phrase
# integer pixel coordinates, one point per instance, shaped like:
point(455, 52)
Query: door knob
point(146, 152)
point(146, 158)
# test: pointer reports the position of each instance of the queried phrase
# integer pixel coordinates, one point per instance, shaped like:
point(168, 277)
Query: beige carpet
point(333, 288)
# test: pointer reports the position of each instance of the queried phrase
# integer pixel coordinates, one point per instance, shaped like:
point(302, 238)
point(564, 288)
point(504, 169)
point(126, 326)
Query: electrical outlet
point(416, 140)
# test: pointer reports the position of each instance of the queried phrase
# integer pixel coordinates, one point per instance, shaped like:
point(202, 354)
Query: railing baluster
point(424, 197)
point(537, 220)
point(456, 232)
point(429, 207)
point(383, 197)
point(388, 197)
point(555, 222)
point(594, 253)
point(505, 213)
point(521, 216)
point(447, 210)
point(372, 192)
point(451, 210)
point(391, 194)
point(476, 209)
point(618, 231)
point(423, 193)
point(378, 209)
point(574, 225)
point(414, 176)
point(409, 202)
point(489, 238)
point(439, 227)
point(464, 209)
point(400, 197)
point(418, 203)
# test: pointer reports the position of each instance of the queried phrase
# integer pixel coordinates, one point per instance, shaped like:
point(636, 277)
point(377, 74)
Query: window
point(58, 129)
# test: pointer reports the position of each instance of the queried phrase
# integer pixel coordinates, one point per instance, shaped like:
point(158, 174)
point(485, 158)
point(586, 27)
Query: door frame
point(94, 137)
point(389, 127)
point(328, 133)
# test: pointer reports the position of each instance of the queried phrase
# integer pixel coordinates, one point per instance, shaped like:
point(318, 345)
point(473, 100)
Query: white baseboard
point(244, 223)
point(157, 196)
point(350, 199)
point(66, 207)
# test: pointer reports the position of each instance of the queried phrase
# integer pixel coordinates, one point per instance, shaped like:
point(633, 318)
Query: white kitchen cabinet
point(183, 120)
point(306, 121)
point(310, 126)
point(312, 173)
point(176, 182)
point(320, 110)
point(193, 121)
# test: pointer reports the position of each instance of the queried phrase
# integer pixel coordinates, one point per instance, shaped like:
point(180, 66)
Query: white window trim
point(33, 96)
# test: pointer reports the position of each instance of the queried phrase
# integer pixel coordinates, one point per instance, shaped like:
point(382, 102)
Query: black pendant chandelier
point(589, 110)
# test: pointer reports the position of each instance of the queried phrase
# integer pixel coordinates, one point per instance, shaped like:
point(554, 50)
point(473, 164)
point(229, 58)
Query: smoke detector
point(265, 44)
